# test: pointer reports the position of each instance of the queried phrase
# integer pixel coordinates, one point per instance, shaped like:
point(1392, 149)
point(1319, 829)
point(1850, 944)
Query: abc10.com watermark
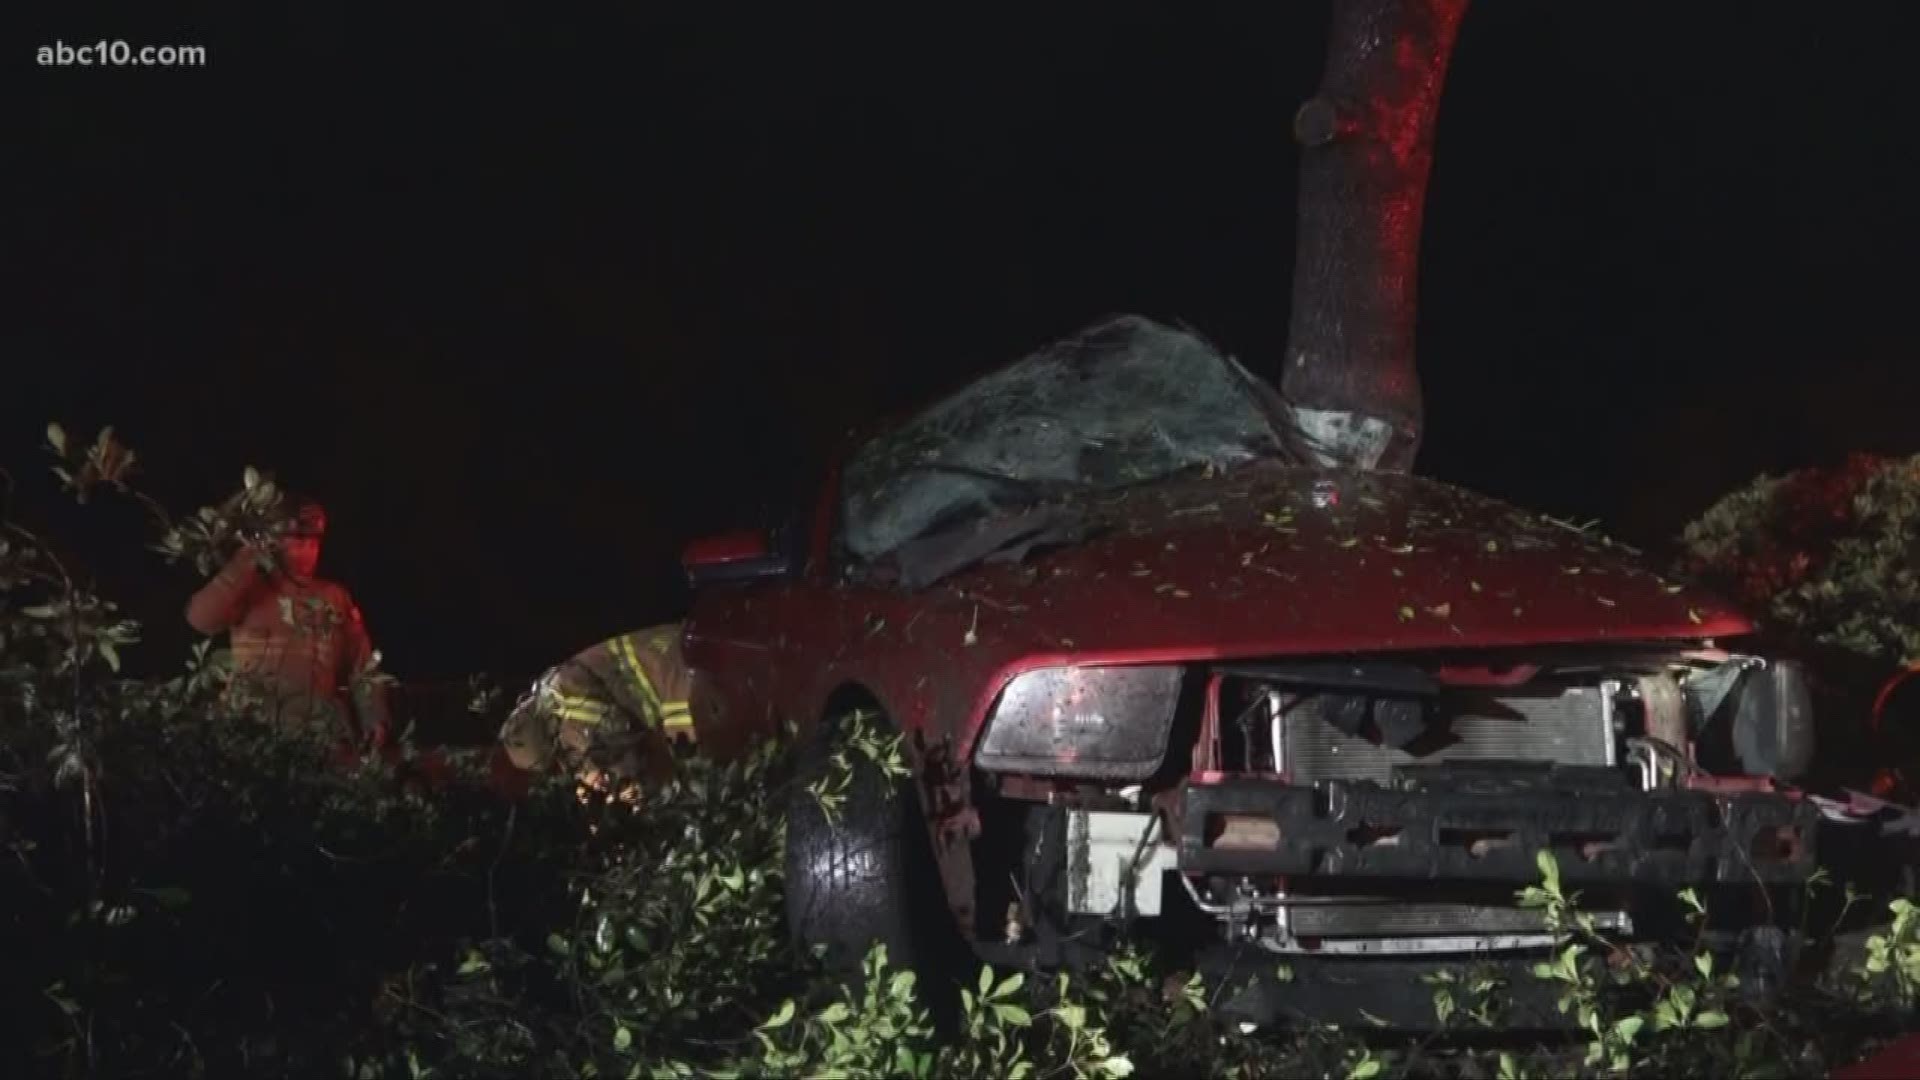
point(118, 52)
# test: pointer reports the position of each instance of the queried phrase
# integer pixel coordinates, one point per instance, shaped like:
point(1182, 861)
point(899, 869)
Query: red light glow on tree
point(1367, 150)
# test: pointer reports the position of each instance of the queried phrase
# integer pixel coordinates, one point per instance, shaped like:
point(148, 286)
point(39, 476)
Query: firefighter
point(301, 654)
point(609, 714)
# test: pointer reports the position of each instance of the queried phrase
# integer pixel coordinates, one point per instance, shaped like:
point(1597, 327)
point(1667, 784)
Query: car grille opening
point(1568, 725)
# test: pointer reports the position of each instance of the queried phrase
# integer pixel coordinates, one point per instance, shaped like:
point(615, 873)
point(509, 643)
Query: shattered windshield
point(1125, 401)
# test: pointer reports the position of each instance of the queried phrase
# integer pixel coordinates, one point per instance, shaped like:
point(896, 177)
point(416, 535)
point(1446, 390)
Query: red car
point(1150, 662)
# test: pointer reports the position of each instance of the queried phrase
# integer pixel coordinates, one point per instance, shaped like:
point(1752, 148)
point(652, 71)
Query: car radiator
point(1565, 726)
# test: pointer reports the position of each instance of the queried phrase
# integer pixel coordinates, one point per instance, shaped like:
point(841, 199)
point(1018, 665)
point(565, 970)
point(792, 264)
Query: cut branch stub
point(1321, 120)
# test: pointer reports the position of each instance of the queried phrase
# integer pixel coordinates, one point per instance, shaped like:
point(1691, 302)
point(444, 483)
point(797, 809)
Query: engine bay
point(1394, 806)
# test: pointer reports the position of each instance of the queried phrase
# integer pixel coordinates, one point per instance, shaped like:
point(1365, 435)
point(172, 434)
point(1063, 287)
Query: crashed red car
point(1151, 662)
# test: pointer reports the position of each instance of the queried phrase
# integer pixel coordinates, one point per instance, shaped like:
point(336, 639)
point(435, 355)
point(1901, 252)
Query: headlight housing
point(1754, 716)
point(1104, 723)
point(1773, 720)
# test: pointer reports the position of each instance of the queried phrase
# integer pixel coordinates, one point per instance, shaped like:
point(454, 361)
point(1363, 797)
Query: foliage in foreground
point(187, 891)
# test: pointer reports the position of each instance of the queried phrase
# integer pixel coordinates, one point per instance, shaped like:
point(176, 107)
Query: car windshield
point(1123, 402)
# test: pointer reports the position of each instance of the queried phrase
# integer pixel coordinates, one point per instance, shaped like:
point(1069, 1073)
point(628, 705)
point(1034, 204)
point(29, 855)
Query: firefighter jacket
point(612, 709)
point(300, 649)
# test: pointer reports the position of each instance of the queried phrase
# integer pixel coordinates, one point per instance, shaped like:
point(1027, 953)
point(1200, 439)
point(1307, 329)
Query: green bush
point(1825, 554)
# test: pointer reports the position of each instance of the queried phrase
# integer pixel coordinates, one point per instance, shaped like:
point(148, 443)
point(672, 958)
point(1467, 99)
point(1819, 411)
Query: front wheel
point(860, 868)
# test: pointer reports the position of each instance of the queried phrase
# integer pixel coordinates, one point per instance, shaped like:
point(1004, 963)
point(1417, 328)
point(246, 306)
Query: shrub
point(1824, 554)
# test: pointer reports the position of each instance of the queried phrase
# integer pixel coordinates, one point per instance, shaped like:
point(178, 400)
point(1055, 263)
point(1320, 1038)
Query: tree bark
point(1366, 151)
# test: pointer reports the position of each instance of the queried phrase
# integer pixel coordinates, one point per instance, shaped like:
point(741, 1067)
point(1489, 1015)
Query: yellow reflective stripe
point(623, 651)
point(676, 714)
point(581, 709)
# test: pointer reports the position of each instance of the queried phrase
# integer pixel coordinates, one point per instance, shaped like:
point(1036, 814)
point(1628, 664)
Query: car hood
point(1251, 563)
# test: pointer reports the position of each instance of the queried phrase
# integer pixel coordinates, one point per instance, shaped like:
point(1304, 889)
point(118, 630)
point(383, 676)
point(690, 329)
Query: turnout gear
point(300, 646)
point(610, 711)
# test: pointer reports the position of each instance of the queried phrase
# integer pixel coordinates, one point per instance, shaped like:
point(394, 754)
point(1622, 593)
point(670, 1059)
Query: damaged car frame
point(1152, 665)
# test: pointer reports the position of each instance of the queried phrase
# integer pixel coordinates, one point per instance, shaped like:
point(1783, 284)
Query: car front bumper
point(1619, 836)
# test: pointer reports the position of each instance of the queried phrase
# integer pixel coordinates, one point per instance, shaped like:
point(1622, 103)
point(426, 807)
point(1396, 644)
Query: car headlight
point(1107, 723)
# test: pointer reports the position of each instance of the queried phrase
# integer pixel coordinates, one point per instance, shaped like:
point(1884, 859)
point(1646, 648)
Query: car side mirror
point(742, 555)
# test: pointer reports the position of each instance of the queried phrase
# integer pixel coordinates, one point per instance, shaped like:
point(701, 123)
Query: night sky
point(531, 299)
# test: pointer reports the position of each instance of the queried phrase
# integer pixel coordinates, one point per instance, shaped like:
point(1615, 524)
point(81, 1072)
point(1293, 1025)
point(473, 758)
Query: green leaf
point(57, 438)
point(1366, 1069)
point(1628, 1026)
point(1710, 1020)
point(902, 984)
point(1119, 1065)
point(1569, 962)
point(1704, 965)
point(108, 653)
point(1549, 869)
point(986, 981)
point(1683, 999)
point(1011, 985)
point(1013, 1014)
point(834, 1013)
point(622, 1038)
point(780, 1018)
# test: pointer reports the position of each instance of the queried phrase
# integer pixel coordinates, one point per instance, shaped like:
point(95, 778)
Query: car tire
point(867, 874)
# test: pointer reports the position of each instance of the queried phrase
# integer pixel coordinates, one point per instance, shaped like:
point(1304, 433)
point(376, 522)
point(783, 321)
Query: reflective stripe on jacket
point(611, 708)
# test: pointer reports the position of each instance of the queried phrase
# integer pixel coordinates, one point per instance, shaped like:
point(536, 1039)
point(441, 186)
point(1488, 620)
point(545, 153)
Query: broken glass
point(1123, 402)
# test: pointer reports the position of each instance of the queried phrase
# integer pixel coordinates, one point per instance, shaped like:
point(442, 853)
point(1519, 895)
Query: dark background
point(530, 298)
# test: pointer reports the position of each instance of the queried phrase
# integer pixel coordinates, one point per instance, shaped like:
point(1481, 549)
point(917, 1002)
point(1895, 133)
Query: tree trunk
point(1367, 148)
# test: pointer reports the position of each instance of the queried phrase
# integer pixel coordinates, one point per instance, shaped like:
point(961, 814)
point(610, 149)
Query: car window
point(1125, 401)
